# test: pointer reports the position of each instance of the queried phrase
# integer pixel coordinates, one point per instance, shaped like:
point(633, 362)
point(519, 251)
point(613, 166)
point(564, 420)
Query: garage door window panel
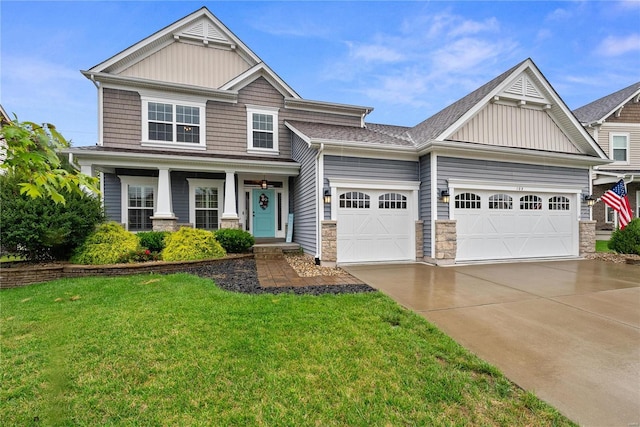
point(530, 202)
point(467, 201)
point(501, 201)
point(392, 201)
point(355, 200)
point(559, 203)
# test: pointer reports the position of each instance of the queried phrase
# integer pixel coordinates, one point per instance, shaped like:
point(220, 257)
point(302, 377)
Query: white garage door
point(511, 225)
point(375, 225)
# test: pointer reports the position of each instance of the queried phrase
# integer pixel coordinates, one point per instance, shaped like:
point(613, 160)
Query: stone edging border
point(14, 277)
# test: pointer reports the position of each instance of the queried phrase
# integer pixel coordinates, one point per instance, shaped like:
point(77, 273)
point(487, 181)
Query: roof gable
point(521, 86)
point(600, 109)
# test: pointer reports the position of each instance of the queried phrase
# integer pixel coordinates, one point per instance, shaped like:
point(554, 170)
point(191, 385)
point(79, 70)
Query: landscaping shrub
point(40, 229)
point(627, 241)
point(109, 244)
point(191, 244)
point(234, 240)
point(139, 255)
point(152, 240)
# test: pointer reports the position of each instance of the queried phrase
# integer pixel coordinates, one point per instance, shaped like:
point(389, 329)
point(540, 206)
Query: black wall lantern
point(589, 200)
point(327, 197)
point(444, 196)
point(264, 184)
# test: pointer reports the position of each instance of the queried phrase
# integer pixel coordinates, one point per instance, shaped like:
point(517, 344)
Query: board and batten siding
point(121, 119)
point(112, 197)
point(304, 196)
point(505, 173)
point(425, 202)
point(190, 64)
point(509, 126)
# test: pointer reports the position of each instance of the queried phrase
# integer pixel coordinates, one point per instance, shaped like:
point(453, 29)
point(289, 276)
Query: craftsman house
point(195, 129)
point(614, 122)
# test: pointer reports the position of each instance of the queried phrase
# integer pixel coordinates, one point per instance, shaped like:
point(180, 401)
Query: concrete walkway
point(278, 273)
point(569, 331)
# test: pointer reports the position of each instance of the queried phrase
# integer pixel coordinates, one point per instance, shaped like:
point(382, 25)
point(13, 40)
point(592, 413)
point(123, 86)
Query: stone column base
point(419, 240)
point(446, 242)
point(230, 223)
point(164, 224)
point(329, 243)
point(587, 237)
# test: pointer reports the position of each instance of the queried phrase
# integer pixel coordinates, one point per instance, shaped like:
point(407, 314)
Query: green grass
point(177, 350)
point(602, 246)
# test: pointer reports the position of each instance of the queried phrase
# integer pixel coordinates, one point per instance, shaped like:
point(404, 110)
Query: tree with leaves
point(30, 153)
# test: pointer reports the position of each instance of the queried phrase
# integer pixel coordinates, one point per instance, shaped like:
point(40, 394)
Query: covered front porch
point(147, 191)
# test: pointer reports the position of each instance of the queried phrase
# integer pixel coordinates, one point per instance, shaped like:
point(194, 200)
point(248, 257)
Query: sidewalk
point(278, 273)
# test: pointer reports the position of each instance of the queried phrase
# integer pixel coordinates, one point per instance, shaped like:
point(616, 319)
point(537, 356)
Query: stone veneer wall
point(329, 243)
point(419, 240)
point(164, 224)
point(587, 232)
point(446, 242)
point(229, 223)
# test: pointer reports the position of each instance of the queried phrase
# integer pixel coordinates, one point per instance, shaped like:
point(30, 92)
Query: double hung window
point(262, 130)
point(168, 123)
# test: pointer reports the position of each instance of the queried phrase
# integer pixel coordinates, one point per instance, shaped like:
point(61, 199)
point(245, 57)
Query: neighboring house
point(614, 122)
point(194, 128)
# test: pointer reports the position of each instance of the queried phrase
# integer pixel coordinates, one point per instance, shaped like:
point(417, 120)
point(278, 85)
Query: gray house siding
point(364, 168)
point(112, 197)
point(425, 201)
point(304, 196)
point(502, 172)
point(180, 191)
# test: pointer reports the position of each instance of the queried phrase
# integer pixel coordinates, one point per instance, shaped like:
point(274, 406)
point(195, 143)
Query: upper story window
point(170, 124)
point(619, 147)
point(262, 130)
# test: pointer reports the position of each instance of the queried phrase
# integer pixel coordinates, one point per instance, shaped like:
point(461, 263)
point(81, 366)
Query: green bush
point(191, 244)
point(140, 255)
point(109, 244)
point(627, 241)
point(40, 229)
point(152, 240)
point(234, 240)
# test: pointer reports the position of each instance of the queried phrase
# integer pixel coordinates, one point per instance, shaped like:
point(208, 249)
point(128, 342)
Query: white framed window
point(467, 201)
point(530, 202)
point(559, 203)
point(500, 201)
point(609, 215)
point(205, 203)
point(619, 147)
point(262, 130)
point(355, 200)
point(169, 123)
point(138, 202)
point(392, 201)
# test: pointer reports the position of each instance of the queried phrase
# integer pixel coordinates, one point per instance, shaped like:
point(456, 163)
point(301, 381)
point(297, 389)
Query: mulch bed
point(241, 275)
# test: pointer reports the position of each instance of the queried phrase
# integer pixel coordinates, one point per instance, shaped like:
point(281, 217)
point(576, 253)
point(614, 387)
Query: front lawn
point(602, 246)
point(177, 350)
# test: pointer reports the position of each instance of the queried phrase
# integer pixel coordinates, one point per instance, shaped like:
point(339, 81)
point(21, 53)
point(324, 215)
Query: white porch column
point(164, 207)
point(230, 211)
point(86, 169)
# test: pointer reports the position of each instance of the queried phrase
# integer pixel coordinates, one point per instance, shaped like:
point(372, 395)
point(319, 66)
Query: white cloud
point(467, 27)
point(616, 46)
point(374, 53)
point(558, 15)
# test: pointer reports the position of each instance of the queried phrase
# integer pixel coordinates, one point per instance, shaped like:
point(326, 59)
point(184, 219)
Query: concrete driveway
point(569, 331)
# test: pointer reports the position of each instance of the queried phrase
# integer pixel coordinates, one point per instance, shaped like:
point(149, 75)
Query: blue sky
point(408, 60)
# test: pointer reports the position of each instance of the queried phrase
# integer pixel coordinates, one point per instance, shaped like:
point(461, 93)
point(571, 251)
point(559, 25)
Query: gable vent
point(531, 90)
point(516, 88)
point(205, 31)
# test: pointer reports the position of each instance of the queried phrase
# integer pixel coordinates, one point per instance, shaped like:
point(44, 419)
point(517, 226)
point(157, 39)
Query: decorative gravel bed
point(240, 275)
point(615, 258)
point(305, 266)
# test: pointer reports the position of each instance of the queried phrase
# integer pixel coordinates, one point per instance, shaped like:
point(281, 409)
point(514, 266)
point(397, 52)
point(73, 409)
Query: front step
point(267, 252)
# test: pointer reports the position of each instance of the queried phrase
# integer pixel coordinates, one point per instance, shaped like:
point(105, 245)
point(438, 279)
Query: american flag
point(617, 199)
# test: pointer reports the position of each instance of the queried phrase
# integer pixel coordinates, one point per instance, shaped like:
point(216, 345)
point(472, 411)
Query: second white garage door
point(512, 225)
point(375, 225)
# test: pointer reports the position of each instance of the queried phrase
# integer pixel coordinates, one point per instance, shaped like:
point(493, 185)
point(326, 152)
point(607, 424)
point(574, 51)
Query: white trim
point(125, 182)
point(513, 186)
point(174, 102)
point(197, 182)
point(638, 204)
point(320, 202)
point(627, 136)
point(374, 184)
point(254, 73)
point(434, 201)
point(100, 116)
point(268, 111)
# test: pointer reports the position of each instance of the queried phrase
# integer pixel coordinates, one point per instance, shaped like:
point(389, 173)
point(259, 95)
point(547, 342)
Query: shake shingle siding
point(425, 201)
point(112, 197)
point(121, 118)
point(505, 173)
point(304, 196)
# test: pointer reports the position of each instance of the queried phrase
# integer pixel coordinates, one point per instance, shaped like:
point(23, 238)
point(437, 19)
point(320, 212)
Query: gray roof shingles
point(601, 108)
point(373, 134)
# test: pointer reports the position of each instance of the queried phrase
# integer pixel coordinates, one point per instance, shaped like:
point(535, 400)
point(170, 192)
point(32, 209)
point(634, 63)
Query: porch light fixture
point(589, 200)
point(444, 196)
point(264, 184)
point(327, 197)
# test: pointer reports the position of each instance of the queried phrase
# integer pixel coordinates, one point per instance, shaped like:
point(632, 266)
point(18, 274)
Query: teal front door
point(264, 219)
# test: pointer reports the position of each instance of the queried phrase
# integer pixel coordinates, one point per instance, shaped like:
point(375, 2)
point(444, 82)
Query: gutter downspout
point(99, 110)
